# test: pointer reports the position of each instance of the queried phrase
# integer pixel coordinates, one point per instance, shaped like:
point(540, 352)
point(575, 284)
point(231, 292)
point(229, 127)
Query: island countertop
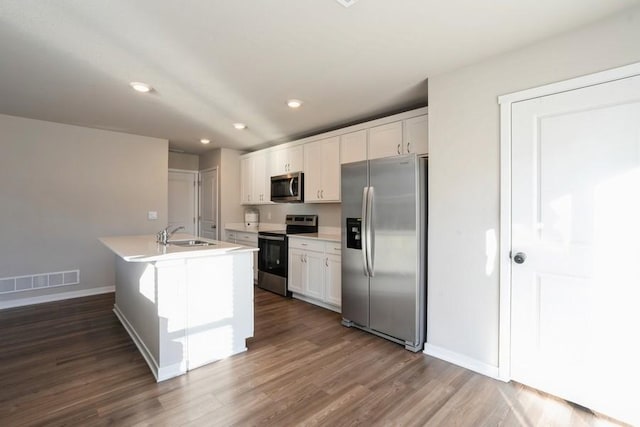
point(144, 248)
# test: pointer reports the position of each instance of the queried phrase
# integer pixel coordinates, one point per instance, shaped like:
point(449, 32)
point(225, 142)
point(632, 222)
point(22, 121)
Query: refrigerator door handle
point(369, 232)
point(363, 231)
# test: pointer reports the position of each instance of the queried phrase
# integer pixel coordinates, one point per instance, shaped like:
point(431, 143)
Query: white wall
point(184, 161)
point(328, 213)
point(464, 175)
point(62, 187)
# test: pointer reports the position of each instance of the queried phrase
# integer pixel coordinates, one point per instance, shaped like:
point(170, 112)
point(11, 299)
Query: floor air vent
point(38, 281)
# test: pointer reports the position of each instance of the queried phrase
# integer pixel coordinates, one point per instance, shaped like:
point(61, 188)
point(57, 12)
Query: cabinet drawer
point(248, 239)
point(230, 236)
point(333, 248)
point(306, 244)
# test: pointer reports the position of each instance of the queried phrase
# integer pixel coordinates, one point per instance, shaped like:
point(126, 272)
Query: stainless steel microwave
point(288, 188)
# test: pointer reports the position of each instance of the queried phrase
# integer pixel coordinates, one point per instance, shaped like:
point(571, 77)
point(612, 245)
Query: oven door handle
point(278, 238)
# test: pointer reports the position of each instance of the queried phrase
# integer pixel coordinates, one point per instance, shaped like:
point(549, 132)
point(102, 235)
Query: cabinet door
point(260, 186)
point(322, 170)
point(416, 135)
point(332, 280)
point(286, 160)
point(314, 263)
point(294, 158)
point(353, 146)
point(385, 140)
point(312, 171)
point(297, 273)
point(246, 180)
point(330, 188)
point(230, 236)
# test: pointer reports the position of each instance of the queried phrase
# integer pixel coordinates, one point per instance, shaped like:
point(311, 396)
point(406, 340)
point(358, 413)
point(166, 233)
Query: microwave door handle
point(291, 187)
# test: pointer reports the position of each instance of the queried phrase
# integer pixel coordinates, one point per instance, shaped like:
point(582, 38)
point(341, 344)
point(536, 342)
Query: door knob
point(520, 257)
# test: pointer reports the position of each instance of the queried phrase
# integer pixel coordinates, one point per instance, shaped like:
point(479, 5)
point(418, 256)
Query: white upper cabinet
point(254, 180)
point(320, 160)
point(385, 140)
point(322, 170)
point(401, 137)
point(353, 146)
point(416, 135)
point(286, 160)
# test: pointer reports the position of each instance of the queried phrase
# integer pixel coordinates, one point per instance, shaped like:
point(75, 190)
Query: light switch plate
point(152, 215)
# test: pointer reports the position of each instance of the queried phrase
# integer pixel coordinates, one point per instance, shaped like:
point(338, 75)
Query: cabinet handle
point(398, 149)
point(305, 257)
point(326, 262)
point(303, 244)
point(318, 194)
point(322, 194)
point(408, 149)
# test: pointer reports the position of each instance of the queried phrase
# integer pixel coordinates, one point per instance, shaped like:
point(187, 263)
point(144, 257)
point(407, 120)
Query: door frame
point(505, 102)
point(196, 206)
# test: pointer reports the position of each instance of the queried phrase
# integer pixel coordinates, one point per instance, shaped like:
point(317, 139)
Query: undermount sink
point(188, 243)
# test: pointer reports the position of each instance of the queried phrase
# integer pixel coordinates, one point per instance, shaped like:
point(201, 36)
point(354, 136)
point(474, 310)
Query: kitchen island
point(183, 304)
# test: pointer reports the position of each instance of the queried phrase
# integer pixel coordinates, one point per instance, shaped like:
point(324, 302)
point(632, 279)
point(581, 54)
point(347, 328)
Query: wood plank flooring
point(72, 363)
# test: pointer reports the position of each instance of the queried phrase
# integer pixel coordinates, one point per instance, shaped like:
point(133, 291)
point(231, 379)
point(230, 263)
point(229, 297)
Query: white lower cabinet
point(314, 272)
point(246, 239)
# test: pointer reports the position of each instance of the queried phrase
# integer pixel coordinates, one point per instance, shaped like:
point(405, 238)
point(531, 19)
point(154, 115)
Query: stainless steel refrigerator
point(384, 231)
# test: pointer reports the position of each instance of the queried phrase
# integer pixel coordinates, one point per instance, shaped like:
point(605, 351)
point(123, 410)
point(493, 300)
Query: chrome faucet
point(163, 236)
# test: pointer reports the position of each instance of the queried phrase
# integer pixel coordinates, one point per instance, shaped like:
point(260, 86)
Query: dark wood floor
point(72, 363)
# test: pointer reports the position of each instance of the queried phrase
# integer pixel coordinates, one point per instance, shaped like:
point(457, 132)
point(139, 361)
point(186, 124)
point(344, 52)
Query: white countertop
point(145, 248)
point(239, 226)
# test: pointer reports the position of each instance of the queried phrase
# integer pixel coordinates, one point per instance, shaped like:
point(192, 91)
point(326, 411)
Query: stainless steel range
point(274, 252)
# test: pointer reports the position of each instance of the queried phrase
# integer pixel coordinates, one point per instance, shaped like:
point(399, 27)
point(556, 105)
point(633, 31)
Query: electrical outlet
point(152, 215)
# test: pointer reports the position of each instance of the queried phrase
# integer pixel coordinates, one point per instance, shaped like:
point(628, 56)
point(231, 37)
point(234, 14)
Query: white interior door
point(209, 204)
point(575, 306)
point(182, 200)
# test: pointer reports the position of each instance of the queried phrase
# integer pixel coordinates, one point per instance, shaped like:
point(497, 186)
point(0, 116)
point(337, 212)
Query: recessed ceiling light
point(239, 126)
point(140, 87)
point(294, 103)
point(205, 141)
point(346, 3)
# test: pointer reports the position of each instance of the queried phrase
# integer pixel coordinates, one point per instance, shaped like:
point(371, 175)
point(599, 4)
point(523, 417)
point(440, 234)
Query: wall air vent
point(39, 281)
point(346, 3)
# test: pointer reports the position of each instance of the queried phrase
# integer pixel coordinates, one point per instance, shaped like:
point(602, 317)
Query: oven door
point(272, 257)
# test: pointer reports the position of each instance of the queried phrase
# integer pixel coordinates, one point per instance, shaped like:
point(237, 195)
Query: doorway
point(570, 240)
point(182, 200)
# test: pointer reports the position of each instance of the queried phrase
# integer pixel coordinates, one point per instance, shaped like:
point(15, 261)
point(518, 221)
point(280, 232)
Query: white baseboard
point(160, 374)
point(316, 302)
point(21, 302)
point(462, 360)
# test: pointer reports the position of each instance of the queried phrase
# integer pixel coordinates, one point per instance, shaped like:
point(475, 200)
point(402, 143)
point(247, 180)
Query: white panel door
point(182, 200)
point(209, 204)
point(576, 218)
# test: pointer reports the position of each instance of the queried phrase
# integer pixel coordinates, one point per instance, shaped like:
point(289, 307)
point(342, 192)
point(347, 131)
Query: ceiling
point(212, 63)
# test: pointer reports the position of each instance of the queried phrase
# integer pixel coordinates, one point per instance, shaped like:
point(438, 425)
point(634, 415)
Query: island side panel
point(172, 314)
point(220, 300)
point(136, 305)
